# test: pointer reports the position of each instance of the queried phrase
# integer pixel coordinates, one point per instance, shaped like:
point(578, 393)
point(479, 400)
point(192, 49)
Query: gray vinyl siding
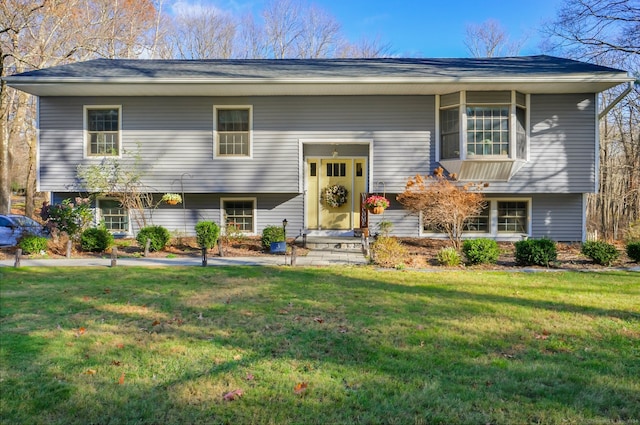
point(558, 217)
point(175, 136)
point(562, 147)
point(405, 224)
point(555, 216)
point(181, 219)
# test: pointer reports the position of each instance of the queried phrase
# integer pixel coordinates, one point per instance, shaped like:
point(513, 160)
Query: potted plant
point(171, 198)
point(273, 239)
point(376, 204)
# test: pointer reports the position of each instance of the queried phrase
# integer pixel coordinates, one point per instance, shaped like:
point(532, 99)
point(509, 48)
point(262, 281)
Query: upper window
point(102, 127)
point(233, 131)
point(483, 125)
point(487, 130)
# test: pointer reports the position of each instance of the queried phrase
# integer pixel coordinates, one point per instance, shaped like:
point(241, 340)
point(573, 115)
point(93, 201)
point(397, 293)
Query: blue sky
point(426, 28)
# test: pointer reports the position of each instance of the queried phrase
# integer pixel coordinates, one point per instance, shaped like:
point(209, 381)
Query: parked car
point(13, 226)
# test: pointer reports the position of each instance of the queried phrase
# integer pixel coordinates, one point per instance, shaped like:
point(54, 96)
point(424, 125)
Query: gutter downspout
point(617, 100)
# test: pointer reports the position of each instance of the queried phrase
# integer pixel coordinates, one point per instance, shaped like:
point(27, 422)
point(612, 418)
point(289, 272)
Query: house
point(253, 142)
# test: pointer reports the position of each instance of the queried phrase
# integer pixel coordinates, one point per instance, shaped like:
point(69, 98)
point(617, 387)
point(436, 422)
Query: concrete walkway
point(313, 258)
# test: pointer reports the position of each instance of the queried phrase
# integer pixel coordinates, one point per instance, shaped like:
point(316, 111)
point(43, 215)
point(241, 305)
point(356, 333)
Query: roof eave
point(50, 86)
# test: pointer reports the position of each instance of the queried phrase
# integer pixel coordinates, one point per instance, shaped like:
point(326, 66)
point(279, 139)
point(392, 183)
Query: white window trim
point(85, 131)
point(493, 223)
point(216, 108)
point(223, 223)
point(98, 216)
point(463, 127)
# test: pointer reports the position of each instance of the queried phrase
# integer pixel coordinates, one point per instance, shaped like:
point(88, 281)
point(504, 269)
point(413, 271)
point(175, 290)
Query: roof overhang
point(51, 86)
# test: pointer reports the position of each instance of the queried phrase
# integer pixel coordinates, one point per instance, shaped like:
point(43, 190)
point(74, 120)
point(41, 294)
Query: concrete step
point(323, 243)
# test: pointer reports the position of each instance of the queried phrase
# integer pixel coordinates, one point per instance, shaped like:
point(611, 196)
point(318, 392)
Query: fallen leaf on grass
point(116, 363)
point(121, 380)
point(107, 290)
point(120, 345)
point(249, 377)
point(543, 335)
point(283, 312)
point(155, 323)
point(300, 388)
point(90, 372)
point(81, 331)
point(232, 395)
point(318, 319)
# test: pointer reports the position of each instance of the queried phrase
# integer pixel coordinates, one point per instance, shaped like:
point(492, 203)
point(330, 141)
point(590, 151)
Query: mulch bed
point(422, 253)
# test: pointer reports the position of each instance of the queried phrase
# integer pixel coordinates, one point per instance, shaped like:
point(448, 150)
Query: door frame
point(330, 144)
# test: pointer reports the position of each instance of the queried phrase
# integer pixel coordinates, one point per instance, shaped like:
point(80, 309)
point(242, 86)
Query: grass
point(307, 346)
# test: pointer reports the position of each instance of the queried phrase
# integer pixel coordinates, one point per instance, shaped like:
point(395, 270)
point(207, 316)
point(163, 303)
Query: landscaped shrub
point(388, 252)
point(272, 234)
point(32, 244)
point(207, 233)
point(481, 251)
point(633, 251)
point(159, 237)
point(69, 217)
point(96, 239)
point(449, 257)
point(600, 252)
point(536, 252)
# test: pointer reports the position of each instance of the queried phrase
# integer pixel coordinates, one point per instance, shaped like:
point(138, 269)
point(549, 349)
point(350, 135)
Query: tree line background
point(37, 34)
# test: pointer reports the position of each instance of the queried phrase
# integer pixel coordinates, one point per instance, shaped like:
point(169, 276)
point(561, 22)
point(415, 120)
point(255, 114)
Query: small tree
point(121, 180)
point(444, 204)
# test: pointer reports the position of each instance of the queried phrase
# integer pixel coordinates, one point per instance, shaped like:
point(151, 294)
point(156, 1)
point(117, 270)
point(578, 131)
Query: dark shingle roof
point(137, 69)
point(268, 77)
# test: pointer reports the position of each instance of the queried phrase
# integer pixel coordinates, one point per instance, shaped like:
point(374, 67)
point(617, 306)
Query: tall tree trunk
point(5, 184)
point(30, 192)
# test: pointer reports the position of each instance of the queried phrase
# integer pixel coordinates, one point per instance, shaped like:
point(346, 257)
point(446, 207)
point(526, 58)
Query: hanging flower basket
point(334, 196)
point(376, 204)
point(171, 198)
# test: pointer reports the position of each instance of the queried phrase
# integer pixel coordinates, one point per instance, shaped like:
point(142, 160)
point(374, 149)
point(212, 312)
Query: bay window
point(482, 135)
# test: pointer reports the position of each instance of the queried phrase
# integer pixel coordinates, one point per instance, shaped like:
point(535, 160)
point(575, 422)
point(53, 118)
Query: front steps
point(331, 243)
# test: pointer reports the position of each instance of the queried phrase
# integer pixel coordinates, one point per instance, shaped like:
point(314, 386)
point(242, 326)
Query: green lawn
point(317, 346)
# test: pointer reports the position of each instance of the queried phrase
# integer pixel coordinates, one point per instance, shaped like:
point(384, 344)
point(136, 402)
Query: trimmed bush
point(159, 237)
point(600, 252)
point(207, 233)
point(272, 234)
point(388, 252)
point(32, 244)
point(96, 239)
point(633, 251)
point(449, 257)
point(481, 251)
point(536, 252)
